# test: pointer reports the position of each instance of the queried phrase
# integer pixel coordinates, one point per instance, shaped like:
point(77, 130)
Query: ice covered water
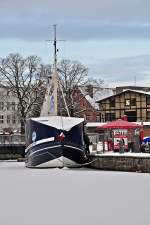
point(72, 196)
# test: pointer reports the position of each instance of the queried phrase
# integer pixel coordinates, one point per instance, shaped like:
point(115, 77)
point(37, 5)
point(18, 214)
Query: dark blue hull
point(55, 154)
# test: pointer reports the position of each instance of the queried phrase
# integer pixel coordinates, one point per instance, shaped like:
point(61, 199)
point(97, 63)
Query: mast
point(55, 49)
point(56, 76)
point(50, 105)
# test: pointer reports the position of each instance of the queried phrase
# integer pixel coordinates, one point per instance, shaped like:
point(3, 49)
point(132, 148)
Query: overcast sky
point(111, 37)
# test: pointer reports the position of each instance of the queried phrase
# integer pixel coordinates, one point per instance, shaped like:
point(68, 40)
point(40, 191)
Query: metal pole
point(55, 49)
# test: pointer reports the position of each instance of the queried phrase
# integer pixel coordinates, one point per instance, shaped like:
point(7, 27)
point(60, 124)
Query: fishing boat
point(52, 140)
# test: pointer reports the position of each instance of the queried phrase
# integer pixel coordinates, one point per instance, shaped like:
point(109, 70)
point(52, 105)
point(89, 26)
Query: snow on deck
point(72, 196)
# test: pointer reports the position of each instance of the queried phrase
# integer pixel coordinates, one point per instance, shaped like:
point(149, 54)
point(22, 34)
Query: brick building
point(85, 99)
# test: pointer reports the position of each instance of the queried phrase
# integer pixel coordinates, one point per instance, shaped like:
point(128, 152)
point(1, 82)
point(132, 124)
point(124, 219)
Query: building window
point(127, 102)
point(8, 119)
point(133, 102)
point(97, 118)
point(88, 118)
point(1, 119)
point(13, 105)
point(13, 119)
point(110, 116)
point(148, 100)
point(112, 102)
point(8, 105)
point(1, 105)
point(148, 115)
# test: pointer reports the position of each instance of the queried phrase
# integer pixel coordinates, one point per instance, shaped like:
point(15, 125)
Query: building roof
point(125, 90)
point(98, 93)
point(138, 88)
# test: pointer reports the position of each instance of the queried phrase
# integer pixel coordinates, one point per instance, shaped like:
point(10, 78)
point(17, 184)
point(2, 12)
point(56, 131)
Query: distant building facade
point(9, 120)
point(87, 97)
point(84, 102)
point(133, 103)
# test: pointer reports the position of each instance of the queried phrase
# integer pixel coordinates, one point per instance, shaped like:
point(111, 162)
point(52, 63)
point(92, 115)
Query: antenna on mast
point(55, 46)
point(55, 49)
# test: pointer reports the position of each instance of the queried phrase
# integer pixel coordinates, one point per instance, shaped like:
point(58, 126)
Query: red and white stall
point(119, 130)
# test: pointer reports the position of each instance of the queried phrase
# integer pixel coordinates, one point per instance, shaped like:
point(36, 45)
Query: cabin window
point(112, 103)
point(148, 100)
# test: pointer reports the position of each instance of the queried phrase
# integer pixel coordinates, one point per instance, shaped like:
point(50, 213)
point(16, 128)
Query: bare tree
point(72, 74)
point(23, 78)
point(74, 78)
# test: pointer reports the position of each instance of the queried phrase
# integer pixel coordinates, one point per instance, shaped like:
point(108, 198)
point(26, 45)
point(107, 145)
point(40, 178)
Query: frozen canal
point(72, 196)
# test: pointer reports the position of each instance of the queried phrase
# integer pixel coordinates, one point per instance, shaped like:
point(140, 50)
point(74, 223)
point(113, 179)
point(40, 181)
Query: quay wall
point(120, 163)
point(12, 151)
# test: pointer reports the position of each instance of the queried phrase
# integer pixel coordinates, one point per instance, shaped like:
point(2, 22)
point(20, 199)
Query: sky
point(110, 37)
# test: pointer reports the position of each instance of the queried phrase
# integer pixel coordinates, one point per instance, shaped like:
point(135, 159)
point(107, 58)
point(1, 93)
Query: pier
point(12, 146)
point(129, 162)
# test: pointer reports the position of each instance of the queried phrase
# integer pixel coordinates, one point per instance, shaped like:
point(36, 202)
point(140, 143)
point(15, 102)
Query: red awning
point(122, 124)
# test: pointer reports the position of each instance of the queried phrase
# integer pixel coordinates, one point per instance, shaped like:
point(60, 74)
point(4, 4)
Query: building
point(81, 102)
point(137, 88)
point(9, 120)
point(133, 103)
point(87, 97)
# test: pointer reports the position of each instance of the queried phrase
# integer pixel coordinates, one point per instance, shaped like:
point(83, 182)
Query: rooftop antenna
point(135, 81)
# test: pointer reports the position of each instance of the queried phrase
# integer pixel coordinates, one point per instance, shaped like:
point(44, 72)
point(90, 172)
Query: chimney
point(89, 89)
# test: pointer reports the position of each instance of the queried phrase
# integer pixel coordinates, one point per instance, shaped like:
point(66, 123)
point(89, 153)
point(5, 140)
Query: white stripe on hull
point(40, 142)
point(43, 149)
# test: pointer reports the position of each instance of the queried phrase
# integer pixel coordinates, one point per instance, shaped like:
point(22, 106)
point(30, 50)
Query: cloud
point(37, 30)
point(124, 70)
point(94, 30)
point(77, 19)
point(100, 9)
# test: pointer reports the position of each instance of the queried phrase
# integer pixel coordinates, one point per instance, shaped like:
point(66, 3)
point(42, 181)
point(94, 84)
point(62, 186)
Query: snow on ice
point(72, 196)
